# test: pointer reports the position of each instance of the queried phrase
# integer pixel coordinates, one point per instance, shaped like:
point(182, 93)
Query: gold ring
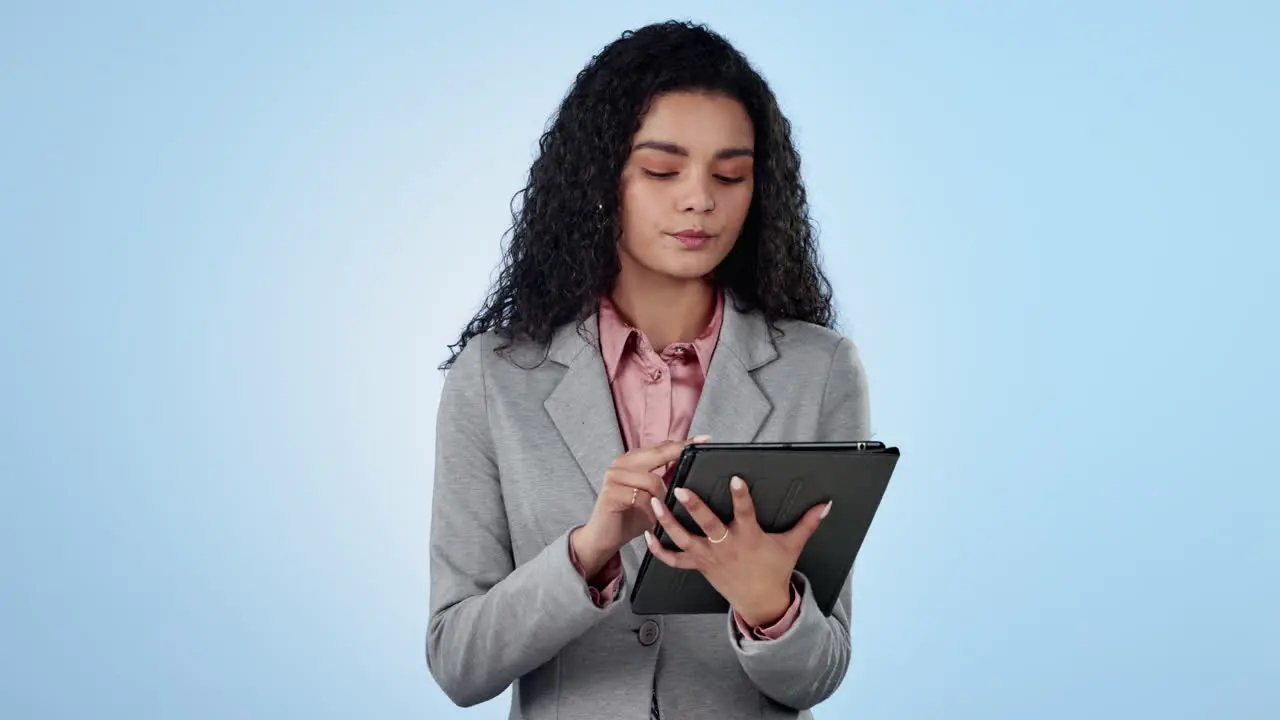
point(634, 493)
point(722, 537)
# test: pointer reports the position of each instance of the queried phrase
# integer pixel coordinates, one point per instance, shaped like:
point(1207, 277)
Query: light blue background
point(237, 240)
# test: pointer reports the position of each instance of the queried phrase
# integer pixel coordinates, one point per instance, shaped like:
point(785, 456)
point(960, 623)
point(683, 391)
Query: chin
point(686, 268)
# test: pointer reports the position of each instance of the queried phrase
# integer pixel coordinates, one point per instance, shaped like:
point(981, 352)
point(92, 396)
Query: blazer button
point(649, 633)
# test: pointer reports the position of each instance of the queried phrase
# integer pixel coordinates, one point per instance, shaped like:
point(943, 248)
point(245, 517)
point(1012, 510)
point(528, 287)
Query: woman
point(661, 281)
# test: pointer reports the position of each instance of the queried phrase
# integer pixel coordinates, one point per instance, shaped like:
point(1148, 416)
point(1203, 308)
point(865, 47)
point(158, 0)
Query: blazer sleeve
point(491, 620)
point(808, 662)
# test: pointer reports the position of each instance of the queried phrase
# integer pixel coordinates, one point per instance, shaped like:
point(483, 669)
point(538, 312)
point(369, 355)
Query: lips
point(692, 239)
point(693, 234)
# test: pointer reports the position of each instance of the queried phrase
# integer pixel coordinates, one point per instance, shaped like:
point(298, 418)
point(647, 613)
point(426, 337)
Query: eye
point(659, 175)
point(729, 180)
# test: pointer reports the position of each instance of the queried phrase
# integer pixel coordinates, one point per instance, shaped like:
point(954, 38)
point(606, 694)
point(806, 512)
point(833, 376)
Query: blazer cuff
point(558, 570)
point(604, 587)
point(807, 624)
point(806, 664)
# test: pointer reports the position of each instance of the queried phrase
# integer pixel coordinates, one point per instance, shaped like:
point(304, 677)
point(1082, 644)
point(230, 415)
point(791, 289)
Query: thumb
point(797, 536)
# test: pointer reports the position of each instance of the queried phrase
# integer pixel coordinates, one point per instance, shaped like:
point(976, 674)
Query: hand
point(622, 510)
point(749, 567)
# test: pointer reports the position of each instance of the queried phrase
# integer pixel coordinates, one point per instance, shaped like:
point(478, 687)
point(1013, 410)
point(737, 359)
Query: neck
point(665, 310)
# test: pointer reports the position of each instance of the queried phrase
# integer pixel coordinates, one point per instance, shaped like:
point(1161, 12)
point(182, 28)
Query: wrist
point(767, 609)
point(591, 554)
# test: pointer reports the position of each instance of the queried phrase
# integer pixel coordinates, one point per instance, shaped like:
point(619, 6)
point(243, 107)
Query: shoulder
point(489, 353)
point(469, 364)
point(465, 388)
point(797, 336)
point(827, 363)
point(503, 373)
point(818, 350)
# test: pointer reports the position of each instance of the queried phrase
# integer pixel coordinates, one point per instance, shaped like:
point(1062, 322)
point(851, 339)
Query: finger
point(644, 505)
point(682, 561)
point(656, 456)
point(651, 457)
point(796, 537)
point(624, 498)
point(639, 480)
point(681, 537)
point(744, 508)
point(701, 514)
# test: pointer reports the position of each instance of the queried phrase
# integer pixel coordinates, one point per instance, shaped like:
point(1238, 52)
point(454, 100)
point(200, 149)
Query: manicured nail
point(701, 438)
point(657, 507)
point(736, 483)
point(825, 510)
point(682, 495)
point(648, 538)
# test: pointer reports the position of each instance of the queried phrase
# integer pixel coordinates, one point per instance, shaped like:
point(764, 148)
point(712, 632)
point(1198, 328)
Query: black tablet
point(785, 479)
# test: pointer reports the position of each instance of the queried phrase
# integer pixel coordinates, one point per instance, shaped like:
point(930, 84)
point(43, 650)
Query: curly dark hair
point(562, 253)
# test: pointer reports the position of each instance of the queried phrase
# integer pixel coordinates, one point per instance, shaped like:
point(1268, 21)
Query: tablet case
point(785, 480)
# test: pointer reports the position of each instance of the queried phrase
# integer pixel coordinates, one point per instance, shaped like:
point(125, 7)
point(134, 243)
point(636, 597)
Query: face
point(687, 186)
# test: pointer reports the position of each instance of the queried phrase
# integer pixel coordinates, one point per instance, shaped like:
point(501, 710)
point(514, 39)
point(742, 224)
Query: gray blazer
point(520, 454)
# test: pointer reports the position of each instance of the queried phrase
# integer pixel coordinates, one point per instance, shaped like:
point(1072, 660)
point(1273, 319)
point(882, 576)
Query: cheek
point(640, 202)
point(737, 203)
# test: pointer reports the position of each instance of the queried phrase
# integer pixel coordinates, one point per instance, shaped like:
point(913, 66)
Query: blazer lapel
point(732, 407)
point(581, 406)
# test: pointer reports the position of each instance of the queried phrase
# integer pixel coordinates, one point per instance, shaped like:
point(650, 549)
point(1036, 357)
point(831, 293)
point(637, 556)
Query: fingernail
point(648, 538)
point(657, 507)
point(682, 495)
point(736, 483)
point(825, 510)
point(701, 438)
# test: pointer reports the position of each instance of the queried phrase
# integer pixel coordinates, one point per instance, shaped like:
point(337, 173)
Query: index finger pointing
point(657, 456)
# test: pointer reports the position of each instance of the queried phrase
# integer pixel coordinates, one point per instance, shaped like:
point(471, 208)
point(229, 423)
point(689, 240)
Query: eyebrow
point(674, 149)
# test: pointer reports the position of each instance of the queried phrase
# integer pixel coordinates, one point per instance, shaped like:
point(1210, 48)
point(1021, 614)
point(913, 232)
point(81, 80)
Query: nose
point(699, 194)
